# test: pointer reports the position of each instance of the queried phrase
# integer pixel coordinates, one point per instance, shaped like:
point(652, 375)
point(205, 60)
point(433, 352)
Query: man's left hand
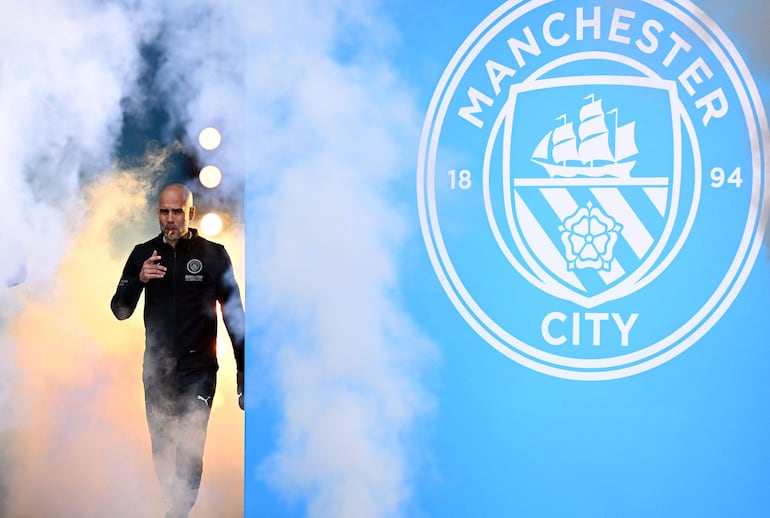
point(239, 383)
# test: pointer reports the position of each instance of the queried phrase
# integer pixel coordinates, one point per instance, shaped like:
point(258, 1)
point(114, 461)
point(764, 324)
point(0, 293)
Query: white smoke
point(312, 115)
point(331, 131)
point(323, 133)
point(65, 69)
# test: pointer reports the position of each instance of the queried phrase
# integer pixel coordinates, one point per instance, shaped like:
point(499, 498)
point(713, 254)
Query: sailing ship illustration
point(597, 150)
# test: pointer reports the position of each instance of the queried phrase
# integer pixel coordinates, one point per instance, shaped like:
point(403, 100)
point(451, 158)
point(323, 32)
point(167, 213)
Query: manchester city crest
point(194, 266)
point(578, 166)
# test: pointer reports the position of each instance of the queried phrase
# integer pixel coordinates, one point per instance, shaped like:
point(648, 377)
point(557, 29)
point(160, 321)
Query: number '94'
point(719, 178)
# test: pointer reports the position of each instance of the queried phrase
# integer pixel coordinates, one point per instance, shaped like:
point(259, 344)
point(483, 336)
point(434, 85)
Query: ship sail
point(592, 109)
point(596, 150)
point(592, 127)
point(594, 134)
point(565, 144)
point(625, 144)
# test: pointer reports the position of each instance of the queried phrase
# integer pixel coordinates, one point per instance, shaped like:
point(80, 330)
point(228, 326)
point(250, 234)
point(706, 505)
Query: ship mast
point(563, 118)
point(593, 98)
point(615, 147)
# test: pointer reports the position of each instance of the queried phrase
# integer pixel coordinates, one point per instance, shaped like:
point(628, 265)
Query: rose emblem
point(589, 236)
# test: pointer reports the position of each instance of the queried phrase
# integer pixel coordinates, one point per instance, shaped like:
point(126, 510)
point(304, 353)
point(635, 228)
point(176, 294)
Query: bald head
point(175, 211)
point(177, 189)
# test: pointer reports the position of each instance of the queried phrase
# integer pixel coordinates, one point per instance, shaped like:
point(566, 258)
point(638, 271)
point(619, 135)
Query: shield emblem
point(586, 211)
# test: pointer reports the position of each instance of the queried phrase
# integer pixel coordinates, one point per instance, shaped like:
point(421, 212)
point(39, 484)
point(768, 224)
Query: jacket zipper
point(173, 304)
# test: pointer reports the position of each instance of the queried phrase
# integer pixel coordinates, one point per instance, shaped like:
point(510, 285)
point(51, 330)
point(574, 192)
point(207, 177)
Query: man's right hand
point(152, 269)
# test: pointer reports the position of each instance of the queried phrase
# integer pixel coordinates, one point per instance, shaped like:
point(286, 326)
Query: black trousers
point(178, 406)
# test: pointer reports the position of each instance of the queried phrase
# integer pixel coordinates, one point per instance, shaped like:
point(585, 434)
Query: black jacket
point(180, 309)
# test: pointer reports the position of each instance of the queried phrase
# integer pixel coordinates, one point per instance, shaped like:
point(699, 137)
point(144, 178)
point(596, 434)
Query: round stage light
point(210, 176)
point(211, 224)
point(209, 138)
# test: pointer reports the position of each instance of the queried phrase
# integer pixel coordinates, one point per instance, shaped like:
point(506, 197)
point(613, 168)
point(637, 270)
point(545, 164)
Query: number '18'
point(461, 179)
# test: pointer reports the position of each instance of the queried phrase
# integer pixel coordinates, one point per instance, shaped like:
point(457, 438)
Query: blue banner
point(512, 264)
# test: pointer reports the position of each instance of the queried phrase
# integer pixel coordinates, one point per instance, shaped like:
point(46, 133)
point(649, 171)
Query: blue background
point(688, 438)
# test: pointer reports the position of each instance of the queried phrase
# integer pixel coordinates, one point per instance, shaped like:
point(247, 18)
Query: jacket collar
point(192, 234)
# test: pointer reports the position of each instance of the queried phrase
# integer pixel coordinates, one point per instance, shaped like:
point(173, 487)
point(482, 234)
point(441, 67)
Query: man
point(183, 277)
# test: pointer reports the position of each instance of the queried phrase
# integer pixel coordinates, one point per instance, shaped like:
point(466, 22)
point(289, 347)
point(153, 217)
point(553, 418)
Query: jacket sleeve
point(128, 291)
point(229, 297)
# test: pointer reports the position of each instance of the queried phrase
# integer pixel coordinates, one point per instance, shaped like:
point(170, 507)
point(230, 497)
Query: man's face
point(174, 214)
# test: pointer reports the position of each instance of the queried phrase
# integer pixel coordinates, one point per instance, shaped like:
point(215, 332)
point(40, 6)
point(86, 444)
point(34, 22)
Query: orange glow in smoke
point(78, 380)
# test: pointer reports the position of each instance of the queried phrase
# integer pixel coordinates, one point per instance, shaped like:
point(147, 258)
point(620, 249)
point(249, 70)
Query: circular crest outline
point(194, 266)
point(717, 304)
